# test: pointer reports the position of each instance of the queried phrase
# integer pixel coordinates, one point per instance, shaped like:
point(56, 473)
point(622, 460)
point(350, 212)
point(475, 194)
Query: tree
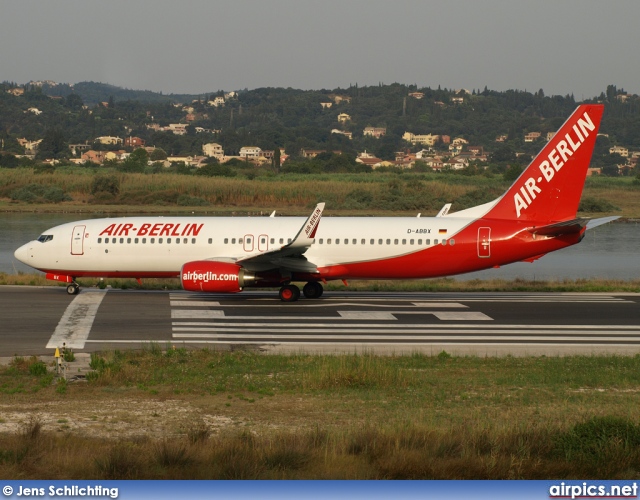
point(53, 146)
point(276, 159)
point(136, 162)
point(158, 154)
point(74, 101)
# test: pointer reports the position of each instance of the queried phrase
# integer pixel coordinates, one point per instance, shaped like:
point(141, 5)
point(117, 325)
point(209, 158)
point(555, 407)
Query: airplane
point(535, 216)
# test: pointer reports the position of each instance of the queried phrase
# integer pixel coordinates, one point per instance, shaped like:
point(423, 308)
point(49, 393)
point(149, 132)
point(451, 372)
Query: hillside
point(331, 120)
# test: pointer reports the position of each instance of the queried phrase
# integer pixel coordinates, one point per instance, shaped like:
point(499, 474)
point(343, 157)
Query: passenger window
point(210, 241)
point(144, 241)
point(404, 242)
point(355, 242)
point(420, 242)
point(435, 242)
point(160, 240)
point(281, 241)
point(233, 241)
point(185, 240)
point(193, 240)
point(411, 242)
point(226, 240)
point(273, 240)
point(346, 241)
point(121, 240)
point(363, 241)
point(99, 240)
point(337, 241)
point(136, 240)
point(329, 241)
point(372, 241)
point(128, 240)
point(320, 241)
point(289, 240)
point(177, 241)
point(168, 240)
point(452, 242)
point(427, 242)
point(388, 242)
point(379, 242)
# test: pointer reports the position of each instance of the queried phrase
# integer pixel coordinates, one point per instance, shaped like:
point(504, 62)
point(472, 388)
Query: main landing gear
point(291, 293)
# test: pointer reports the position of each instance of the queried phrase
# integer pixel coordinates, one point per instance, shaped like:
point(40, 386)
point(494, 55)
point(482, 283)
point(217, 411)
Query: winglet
point(311, 225)
point(444, 210)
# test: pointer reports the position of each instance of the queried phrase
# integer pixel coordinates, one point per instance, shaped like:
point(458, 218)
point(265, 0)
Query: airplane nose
point(22, 253)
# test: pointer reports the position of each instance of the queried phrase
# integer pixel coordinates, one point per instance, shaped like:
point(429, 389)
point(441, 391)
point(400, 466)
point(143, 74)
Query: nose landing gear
point(73, 288)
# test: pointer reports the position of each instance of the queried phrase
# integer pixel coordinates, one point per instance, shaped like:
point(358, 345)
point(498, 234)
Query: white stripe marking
point(195, 313)
point(367, 315)
point(194, 303)
point(76, 322)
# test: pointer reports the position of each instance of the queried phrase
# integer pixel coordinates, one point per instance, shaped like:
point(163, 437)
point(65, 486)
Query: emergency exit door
point(484, 242)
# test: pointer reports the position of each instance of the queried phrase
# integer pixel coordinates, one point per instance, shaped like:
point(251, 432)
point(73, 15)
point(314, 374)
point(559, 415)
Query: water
point(611, 251)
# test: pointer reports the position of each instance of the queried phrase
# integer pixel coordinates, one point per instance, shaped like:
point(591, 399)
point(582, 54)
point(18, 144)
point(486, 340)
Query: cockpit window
point(45, 237)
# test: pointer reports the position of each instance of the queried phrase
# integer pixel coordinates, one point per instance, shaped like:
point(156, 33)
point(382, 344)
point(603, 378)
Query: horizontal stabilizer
point(598, 222)
point(570, 226)
point(560, 228)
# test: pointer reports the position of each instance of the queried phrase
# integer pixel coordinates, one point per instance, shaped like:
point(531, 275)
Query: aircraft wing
point(290, 256)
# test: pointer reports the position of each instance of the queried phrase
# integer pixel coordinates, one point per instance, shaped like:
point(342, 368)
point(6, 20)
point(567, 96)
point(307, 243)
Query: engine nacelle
point(212, 276)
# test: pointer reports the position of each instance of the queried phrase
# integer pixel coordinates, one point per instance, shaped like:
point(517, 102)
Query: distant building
point(342, 132)
point(216, 102)
point(108, 140)
point(416, 95)
point(376, 132)
point(177, 128)
point(326, 105)
point(213, 150)
point(344, 117)
point(532, 136)
point(427, 139)
point(619, 150)
point(134, 142)
point(250, 152)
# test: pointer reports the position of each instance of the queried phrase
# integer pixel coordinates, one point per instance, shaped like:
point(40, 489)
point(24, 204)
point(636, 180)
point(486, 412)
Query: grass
point(365, 194)
point(240, 415)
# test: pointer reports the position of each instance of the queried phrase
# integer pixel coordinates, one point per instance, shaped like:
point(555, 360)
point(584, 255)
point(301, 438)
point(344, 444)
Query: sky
point(197, 46)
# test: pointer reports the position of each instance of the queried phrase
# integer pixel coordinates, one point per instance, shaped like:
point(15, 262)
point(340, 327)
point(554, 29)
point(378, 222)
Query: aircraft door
point(484, 242)
point(248, 243)
point(263, 243)
point(77, 240)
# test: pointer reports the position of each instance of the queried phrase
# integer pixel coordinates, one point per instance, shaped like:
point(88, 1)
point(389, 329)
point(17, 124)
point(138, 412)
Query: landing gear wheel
point(289, 293)
point(313, 290)
point(73, 289)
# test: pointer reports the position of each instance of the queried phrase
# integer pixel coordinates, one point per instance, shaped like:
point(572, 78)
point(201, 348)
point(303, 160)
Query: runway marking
point(195, 313)
point(444, 326)
point(76, 322)
point(194, 303)
point(344, 315)
point(372, 315)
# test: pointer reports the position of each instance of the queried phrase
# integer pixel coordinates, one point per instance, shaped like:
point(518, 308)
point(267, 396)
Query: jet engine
point(212, 276)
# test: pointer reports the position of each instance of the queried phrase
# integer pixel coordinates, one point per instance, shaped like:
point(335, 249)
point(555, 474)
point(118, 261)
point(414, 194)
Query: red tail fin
point(550, 188)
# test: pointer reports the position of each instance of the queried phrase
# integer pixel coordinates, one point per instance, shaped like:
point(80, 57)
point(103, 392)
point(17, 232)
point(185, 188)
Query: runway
point(36, 320)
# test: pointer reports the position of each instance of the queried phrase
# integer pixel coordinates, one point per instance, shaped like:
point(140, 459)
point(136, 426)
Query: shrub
point(105, 184)
point(38, 193)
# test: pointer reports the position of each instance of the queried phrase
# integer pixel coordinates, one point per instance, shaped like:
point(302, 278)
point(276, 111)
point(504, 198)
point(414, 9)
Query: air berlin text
point(556, 158)
point(159, 229)
point(209, 276)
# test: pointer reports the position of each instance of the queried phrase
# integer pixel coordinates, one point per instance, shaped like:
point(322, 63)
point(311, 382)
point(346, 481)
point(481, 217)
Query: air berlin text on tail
point(556, 158)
